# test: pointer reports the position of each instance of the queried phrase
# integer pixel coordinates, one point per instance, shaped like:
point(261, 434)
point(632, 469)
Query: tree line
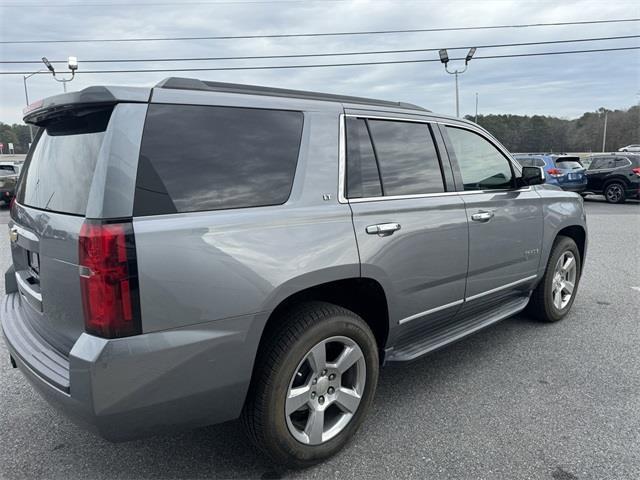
point(523, 133)
point(519, 133)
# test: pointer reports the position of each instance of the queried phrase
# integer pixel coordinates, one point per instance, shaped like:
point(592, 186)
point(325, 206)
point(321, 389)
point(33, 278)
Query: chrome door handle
point(482, 216)
point(383, 229)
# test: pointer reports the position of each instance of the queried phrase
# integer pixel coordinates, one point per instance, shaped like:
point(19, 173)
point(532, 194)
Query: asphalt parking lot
point(519, 400)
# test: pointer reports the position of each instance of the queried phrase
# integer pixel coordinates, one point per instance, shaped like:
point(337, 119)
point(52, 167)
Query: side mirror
point(532, 176)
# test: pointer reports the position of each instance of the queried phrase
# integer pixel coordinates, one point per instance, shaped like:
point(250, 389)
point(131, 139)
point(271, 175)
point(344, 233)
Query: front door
point(505, 222)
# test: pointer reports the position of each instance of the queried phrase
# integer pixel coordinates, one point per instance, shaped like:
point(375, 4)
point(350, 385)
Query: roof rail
point(195, 84)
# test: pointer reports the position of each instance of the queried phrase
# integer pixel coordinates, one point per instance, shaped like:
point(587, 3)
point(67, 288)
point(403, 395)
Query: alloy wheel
point(325, 390)
point(564, 280)
point(614, 193)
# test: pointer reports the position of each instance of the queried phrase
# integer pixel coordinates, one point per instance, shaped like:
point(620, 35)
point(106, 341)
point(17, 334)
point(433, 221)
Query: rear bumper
point(131, 387)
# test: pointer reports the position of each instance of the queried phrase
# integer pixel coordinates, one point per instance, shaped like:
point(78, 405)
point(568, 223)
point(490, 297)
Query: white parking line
point(637, 289)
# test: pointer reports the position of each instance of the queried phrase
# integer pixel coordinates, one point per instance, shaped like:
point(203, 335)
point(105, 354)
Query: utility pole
point(444, 58)
point(604, 133)
point(476, 119)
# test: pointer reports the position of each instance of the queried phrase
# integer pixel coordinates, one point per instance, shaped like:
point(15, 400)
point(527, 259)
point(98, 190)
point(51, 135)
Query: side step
point(432, 335)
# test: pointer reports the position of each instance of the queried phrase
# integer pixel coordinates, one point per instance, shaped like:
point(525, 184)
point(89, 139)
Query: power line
point(152, 4)
point(324, 65)
point(328, 34)
point(334, 54)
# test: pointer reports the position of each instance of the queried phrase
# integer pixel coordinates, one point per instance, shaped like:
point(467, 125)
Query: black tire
point(541, 306)
point(614, 192)
point(278, 359)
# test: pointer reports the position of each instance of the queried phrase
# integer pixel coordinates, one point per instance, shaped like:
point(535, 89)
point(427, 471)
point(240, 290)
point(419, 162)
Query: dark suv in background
point(614, 175)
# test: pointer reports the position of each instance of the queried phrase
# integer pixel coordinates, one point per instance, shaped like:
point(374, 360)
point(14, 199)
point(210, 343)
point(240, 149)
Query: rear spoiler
point(37, 112)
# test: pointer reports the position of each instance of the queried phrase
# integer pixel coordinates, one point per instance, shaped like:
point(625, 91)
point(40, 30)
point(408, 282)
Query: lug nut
point(324, 372)
point(313, 394)
point(315, 380)
point(332, 376)
point(321, 400)
point(331, 390)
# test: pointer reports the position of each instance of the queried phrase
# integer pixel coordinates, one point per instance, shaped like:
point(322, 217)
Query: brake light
point(636, 171)
point(555, 172)
point(109, 280)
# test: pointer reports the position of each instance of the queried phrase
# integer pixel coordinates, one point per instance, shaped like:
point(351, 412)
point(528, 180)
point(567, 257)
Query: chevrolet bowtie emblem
point(13, 235)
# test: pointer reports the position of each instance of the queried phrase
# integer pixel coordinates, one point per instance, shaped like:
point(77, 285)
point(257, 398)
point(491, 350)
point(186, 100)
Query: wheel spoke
point(348, 400)
point(568, 287)
point(568, 263)
point(557, 298)
point(298, 397)
point(315, 426)
point(347, 358)
point(318, 358)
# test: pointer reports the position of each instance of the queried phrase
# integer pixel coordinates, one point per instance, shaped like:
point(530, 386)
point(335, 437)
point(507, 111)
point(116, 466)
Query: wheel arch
point(579, 235)
point(363, 296)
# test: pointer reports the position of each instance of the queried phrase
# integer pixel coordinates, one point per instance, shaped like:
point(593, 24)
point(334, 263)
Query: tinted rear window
point(60, 167)
point(363, 178)
point(196, 158)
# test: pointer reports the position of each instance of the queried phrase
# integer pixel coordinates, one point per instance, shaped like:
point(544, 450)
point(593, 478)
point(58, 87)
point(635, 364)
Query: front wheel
point(314, 383)
point(553, 297)
point(614, 193)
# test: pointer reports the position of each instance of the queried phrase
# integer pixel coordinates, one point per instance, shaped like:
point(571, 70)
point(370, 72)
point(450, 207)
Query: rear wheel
point(614, 193)
point(553, 297)
point(314, 382)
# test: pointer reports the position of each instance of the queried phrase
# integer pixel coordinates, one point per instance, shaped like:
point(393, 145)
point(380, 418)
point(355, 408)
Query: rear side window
point(7, 170)
point(622, 162)
point(196, 158)
point(363, 177)
point(482, 165)
point(530, 162)
point(60, 167)
point(407, 157)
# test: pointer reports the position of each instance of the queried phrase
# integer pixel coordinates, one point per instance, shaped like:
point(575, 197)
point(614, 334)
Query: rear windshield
point(60, 167)
point(568, 164)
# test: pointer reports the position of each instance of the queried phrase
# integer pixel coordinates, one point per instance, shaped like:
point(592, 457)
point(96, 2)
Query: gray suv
point(197, 252)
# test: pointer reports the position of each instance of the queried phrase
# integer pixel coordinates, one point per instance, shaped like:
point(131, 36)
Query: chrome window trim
point(466, 299)
point(342, 159)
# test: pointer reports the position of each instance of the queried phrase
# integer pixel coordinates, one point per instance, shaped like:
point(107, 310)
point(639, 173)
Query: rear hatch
point(47, 218)
point(571, 170)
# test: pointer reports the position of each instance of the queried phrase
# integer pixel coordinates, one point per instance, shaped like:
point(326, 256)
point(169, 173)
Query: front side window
point(482, 166)
point(196, 158)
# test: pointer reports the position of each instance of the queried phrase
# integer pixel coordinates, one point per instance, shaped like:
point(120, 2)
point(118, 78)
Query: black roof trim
point(195, 84)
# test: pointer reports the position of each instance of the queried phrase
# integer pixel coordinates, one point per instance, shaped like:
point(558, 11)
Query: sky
point(563, 85)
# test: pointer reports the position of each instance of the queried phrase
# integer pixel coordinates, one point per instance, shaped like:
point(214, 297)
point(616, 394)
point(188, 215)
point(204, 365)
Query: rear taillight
point(554, 172)
point(109, 279)
point(636, 171)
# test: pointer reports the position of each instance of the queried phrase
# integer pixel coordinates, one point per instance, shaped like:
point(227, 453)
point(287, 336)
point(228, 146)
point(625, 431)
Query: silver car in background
point(197, 252)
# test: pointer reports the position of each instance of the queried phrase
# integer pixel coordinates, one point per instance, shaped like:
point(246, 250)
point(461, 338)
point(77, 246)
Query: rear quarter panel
point(206, 266)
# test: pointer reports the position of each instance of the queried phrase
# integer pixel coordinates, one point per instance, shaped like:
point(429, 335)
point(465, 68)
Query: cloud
point(559, 85)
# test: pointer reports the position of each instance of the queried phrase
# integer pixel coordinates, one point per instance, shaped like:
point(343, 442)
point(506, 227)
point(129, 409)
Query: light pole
point(444, 58)
point(26, 96)
point(604, 133)
point(476, 119)
point(72, 63)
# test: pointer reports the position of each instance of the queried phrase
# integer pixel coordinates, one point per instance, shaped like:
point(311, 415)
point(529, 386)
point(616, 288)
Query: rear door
point(410, 225)
point(505, 222)
point(598, 170)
